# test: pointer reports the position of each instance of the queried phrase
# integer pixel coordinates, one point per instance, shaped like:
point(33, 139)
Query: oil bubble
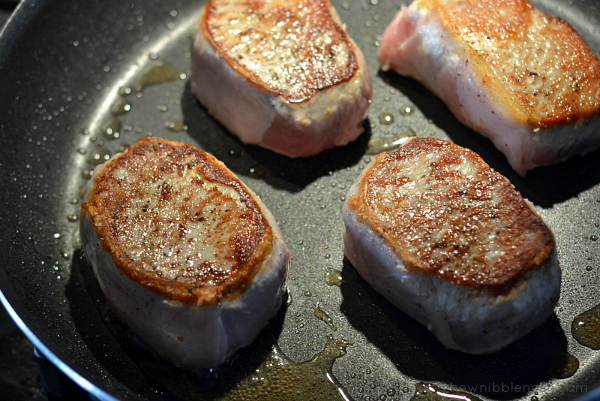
point(98, 156)
point(333, 277)
point(176, 126)
point(406, 110)
point(386, 118)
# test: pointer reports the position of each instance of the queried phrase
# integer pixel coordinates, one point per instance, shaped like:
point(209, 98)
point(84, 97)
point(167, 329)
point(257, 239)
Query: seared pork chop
point(186, 254)
point(280, 74)
point(523, 79)
point(449, 240)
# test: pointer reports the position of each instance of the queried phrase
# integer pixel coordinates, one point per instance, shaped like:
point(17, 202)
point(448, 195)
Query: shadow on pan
point(281, 172)
point(417, 353)
point(124, 355)
point(540, 186)
point(89, 313)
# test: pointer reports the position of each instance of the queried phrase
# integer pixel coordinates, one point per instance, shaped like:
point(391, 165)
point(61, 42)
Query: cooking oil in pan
point(381, 144)
point(120, 106)
point(333, 277)
point(111, 128)
point(280, 378)
point(386, 118)
point(320, 313)
point(176, 126)
point(430, 392)
point(562, 365)
point(406, 110)
point(98, 156)
point(86, 174)
point(585, 328)
point(157, 73)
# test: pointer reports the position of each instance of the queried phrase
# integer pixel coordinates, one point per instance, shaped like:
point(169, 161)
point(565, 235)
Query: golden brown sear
point(443, 210)
point(537, 66)
point(293, 49)
point(175, 220)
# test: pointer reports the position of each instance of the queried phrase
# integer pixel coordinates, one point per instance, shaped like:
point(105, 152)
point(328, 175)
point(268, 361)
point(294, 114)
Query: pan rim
point(55, 360)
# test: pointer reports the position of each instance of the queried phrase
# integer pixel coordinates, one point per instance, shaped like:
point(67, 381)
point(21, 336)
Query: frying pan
point(80, 81)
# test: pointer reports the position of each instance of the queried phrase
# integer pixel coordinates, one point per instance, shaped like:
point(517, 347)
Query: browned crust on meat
point(441, 221)
point(130, 219)
point(293, 49)
point(537, 66)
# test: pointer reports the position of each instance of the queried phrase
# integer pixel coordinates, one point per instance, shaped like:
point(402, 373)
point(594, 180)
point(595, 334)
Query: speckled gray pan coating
point(62, 64)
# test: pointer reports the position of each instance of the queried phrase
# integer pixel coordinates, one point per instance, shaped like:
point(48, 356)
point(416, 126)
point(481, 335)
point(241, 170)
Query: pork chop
point(280, 74)
point(186, 254)
point(448, 240)
point(523, 79)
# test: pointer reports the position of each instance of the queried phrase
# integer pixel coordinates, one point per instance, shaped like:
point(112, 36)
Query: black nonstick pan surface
point(80, 81)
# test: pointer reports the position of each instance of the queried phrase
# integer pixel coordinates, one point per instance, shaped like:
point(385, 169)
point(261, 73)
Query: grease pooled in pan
point(388, 144)
point(586, 328)
point(333, 277)
point(157, 73)
point(321, 314)
point(562, 365)
point(280, 378)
